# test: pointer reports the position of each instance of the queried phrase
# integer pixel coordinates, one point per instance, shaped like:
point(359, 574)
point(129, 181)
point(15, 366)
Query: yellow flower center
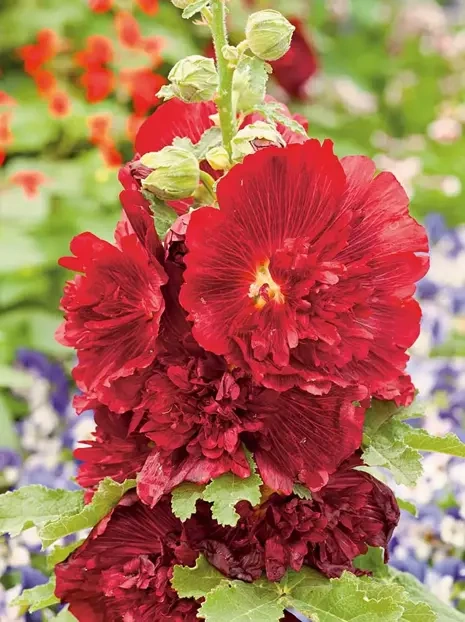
point(264, 288)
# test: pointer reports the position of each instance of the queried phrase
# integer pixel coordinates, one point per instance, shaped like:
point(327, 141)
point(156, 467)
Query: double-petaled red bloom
point(305, 275)
point(123, 570)
point(113, 308)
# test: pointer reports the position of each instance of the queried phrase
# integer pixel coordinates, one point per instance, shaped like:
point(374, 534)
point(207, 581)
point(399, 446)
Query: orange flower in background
point(100, 136)
point(100, 6)
point(29, 181)
point(150, 7)
point(98, 80)
point(59, 104)
point(45, 82)
point(127, 29)
point(6, 135)
point(142, 86)
point(37, 54)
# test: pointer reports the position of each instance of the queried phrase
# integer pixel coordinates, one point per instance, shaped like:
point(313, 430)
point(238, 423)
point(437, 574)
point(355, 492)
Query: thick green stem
point(225, 102)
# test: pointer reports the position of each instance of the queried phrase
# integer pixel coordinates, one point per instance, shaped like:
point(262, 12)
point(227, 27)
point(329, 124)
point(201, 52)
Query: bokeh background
point(385, 78)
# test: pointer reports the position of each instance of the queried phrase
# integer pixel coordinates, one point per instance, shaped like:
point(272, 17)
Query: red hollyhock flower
point(353, 511)
point(45, 82)
point(98, 51)
point(293, 70)
point(36, 54)
point(361, 511)
point(305, 276)
point(113, 309)
point(122, 572)
point(117, 451)
point(97, 80)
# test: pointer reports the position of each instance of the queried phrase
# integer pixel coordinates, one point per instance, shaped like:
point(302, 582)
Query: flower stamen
point(264, 288)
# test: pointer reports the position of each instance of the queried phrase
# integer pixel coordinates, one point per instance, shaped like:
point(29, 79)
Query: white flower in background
point(406, 170)
point(354, 99)
point(445, 130)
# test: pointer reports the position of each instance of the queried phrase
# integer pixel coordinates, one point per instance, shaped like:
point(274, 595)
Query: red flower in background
point(123, 570)
point(98, 80)
point(6, 135)
point(127, 29)
point(150, 7)
point(113, 309)
point(46, 82)
point(298, 65)
point(142, 85)
point(59, 104)
point(305, 276)
point(30, 181)
point(100, 135)
point(37, 54)
point(100, 6)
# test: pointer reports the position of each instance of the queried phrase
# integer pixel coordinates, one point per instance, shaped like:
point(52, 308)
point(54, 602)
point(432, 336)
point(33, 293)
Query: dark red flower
point(353, 511)
point(116, 451)
point(305, 276)
point(113, 309)
point(122, 572)
point(293, 70)
point(361, 511)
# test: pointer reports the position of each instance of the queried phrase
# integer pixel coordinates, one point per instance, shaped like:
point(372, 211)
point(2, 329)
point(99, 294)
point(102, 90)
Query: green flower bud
point(176, 174)
point(194, 79)
point(218, 159)
point(269, 34)
point(254, 137)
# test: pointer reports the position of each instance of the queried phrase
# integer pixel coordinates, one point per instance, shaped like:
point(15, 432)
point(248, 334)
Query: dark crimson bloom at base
point(353, 511)
point(123, 570)
point(305, 275)
point(293, 70)
point(113, 309)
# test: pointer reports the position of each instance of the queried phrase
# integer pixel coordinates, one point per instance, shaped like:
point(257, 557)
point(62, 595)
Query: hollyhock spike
point(311, 264)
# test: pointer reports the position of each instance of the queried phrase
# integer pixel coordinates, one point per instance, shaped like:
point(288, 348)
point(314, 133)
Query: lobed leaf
point(35, 506)
point(105, 498)
point(422, 440)
point(196, 582)
point(184, 498)
point(37, 597)
point(60, 553)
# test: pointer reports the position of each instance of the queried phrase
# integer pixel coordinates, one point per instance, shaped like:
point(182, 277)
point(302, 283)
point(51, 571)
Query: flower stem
point(225, 103)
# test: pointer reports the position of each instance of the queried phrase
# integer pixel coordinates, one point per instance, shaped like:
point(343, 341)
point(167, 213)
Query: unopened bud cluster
point(192, 79)
point(176, 173)
point(268, 34)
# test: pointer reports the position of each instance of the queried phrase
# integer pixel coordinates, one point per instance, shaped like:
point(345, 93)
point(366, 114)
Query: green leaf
point(249, 82)
point(243, 602)
point(347, 599)
point(228, 489)
point(378, 414)
point(196, 582)
point(418, 593)
point(38, 597)
point(65, 616)
point(60, 553)
point(164, 215)
point(373, 561)
point(194, 8)
point(8, 435)
point(184, 498)
point(301, 491)
point(417, 612)
point(384, 445)
point(36, 505)
point(408, 506)
point(422, 440)
point(211, 138)
point(106, 497)
point(273, 111)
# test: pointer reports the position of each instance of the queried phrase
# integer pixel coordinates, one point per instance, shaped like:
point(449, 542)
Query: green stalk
point(225, 73)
